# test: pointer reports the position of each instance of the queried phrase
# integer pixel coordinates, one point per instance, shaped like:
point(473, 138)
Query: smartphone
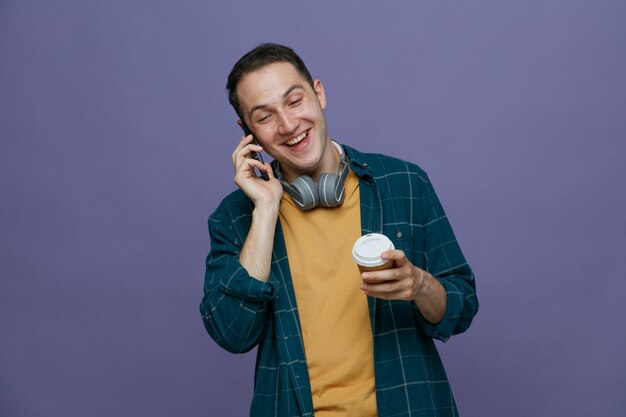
point(255, 155)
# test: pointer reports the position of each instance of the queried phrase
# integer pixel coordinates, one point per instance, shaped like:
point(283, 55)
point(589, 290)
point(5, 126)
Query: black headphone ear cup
point(327, 186)
point(305, 195)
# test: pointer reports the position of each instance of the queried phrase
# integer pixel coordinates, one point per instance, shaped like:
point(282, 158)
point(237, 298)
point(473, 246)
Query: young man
point(280, 276)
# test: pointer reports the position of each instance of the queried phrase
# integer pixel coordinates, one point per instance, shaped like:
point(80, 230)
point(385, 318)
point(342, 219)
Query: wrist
point(421, 288)
point(431, 298)
point(267, 210)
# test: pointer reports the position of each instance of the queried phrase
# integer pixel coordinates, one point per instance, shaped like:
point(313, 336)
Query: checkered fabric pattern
point(240, 312)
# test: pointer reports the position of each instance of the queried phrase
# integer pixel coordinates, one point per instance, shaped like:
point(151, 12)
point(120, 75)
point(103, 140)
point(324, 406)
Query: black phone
point(255, 155)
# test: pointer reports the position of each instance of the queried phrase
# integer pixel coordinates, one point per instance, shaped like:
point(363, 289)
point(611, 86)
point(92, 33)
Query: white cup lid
point(367, 249)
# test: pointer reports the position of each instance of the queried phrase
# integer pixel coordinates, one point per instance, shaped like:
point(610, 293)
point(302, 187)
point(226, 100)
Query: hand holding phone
point(255, 155)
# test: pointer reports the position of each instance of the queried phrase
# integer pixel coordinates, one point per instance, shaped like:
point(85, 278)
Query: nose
point(287, 123)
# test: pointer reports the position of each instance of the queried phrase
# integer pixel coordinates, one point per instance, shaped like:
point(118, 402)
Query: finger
point(247, 150)
point(245, 140)
point(246, 169)
point(380, 276)
point(385, 288)
point(269, 170)
point(396, 255)
point(397, 295)
point(245, 153)
point(263, 166)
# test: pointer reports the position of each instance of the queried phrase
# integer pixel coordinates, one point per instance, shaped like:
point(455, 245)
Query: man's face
point(286, 116)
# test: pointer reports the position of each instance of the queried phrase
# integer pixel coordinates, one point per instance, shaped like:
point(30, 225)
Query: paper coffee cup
point(367, 250)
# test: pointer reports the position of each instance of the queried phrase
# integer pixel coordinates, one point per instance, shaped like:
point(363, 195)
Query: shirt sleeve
point(235, 305)
point(445, 261)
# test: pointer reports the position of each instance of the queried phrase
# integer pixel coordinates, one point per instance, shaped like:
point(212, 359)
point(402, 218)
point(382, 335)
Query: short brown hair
point(262, 55)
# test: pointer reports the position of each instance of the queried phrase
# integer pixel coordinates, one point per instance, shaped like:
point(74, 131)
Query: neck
point(328, 164)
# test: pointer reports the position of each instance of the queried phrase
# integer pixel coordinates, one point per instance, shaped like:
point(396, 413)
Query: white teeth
point(296, 140)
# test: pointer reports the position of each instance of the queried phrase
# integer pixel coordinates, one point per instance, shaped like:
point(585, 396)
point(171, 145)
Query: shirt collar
point(357, 162)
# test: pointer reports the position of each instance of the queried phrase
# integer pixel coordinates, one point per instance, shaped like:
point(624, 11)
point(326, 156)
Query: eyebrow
point(285, 94)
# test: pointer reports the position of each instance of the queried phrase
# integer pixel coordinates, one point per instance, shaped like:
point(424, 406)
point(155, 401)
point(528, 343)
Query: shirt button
point(398, 234)
point(364, 165)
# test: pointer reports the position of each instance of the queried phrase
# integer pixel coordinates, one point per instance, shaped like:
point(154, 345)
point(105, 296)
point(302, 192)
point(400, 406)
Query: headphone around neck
point(329, 191)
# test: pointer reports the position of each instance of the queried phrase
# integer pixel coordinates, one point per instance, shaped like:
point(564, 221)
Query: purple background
point(115, 147)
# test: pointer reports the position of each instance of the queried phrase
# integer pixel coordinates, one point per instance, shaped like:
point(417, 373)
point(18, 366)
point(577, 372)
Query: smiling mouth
point(297, 139)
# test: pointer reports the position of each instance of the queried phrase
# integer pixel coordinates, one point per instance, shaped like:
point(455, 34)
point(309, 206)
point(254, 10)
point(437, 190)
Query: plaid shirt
point(240, 312)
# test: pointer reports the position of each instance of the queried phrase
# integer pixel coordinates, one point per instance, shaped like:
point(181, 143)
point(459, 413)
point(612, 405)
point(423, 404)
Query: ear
point(318, 87)
point(239, 123)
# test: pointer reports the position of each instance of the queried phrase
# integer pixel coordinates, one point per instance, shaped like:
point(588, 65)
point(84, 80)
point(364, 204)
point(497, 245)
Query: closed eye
point(263, 119)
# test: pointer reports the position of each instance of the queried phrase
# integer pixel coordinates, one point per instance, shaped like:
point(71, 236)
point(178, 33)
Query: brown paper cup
point(374, 268)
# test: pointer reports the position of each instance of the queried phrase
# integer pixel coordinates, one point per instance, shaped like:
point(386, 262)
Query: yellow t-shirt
point(333, 311)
